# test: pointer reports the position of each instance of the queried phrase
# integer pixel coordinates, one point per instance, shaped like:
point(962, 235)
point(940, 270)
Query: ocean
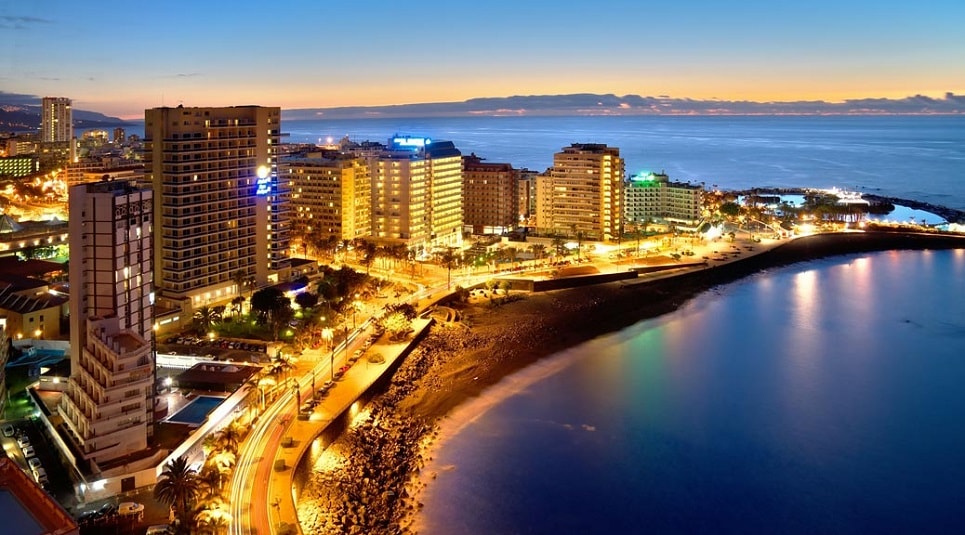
point(823, 397)
point(916, 157)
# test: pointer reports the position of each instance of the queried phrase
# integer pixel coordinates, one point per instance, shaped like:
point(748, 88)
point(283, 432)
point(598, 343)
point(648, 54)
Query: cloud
point(14, 22)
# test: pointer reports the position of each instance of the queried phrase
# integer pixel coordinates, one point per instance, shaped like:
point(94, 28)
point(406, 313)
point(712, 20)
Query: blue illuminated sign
point(263, 186)
point(411, 142)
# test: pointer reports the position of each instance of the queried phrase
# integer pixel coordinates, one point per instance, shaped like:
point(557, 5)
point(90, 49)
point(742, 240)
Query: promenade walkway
point(295, 436)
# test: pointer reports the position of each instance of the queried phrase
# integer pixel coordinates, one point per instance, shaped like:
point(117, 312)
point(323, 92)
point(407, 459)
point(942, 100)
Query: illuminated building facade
point(490, 198)
point(652, 197)
point(56, 120)
point(17, 166)
point(582, 193)
point(221, 206)
point(417, 194)
point(331, 194)
point(108, 404)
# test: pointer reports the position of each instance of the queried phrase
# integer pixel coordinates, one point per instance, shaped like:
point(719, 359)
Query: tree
point(178, 487)
point(204, 318)
point(306, 299)
point(448, 258)
point(236, 304)
point(538, 250)
point(397, 325)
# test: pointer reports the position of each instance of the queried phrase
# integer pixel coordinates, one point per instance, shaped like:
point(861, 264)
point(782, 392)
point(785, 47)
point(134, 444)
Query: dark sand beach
point(374, 485)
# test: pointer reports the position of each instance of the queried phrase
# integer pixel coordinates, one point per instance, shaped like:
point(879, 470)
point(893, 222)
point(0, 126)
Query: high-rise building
point(652, 197)
point(222, 208)
point(331, 194)
point(490, 197)
point(108, 403)
point(56, 120)
point(582, 193)
point(417, 194)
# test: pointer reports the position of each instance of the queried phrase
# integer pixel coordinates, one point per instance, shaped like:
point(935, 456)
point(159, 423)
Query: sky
point(120, 58)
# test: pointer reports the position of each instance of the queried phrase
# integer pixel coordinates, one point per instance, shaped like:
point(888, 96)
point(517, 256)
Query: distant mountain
point(26, 118)
point(593, 104)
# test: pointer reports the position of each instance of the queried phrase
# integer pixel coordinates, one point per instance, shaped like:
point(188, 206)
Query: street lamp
point(328, 335)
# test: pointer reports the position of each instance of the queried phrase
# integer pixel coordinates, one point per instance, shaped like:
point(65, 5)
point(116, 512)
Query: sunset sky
point(119, 58)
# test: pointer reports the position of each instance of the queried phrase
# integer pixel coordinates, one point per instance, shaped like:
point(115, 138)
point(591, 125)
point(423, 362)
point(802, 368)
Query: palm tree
point(538, 250)
point(230, 436)
point(178, 487)
point(204, 318)
point(448, 259)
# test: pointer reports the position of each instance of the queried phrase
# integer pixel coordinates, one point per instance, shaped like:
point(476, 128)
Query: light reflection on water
point(820, 397)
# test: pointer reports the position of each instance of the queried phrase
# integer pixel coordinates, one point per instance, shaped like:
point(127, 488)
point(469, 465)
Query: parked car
point(8, 430)
point(28, 451)
point(23, 441)
point(34, 463)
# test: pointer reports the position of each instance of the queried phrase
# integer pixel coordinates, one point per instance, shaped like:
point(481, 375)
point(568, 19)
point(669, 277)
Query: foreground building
point(652, 197)
point(108, 404)
point(582, 193)
point(223, 209)
point(490, 196)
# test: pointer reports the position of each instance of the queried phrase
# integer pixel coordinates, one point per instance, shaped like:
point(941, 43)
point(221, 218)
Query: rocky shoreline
point(374, 485)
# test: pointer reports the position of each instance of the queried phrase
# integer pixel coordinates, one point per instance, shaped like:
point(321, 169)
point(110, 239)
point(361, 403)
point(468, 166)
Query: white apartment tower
point(56, 120)
point(582, 193)
point(220, 203)
point(417, 194)
point(108, 403)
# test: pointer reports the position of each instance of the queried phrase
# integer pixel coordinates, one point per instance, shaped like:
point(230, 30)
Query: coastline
point(459, 361)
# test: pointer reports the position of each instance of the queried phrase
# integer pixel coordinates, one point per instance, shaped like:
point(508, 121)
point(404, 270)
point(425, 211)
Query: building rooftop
point(26, 509)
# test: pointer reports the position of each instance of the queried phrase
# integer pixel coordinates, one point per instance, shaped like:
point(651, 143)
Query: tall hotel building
point(652, 197)
point(331, 194)
point(108, 403)
point(490, 197)
point(56, 120)
point(582, 192)
point(221, 206)
point(417, 194)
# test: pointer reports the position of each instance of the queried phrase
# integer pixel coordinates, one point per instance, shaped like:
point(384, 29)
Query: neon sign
point(412, 142)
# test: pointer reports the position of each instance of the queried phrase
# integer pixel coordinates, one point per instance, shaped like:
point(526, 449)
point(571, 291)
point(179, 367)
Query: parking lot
point(27, 444)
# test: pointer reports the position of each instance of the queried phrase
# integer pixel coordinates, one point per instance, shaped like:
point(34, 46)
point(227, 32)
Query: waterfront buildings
point(56, 120)
point(490, 196)
point(417, 194)
point(108, 403)
point(331, 194)
point(582, 194)
point(652, 197)
point(223, 209)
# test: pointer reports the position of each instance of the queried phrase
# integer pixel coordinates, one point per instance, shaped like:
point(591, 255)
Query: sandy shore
point(373, 485)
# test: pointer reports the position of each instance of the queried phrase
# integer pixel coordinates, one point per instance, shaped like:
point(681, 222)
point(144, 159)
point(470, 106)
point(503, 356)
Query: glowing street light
point(329, 335)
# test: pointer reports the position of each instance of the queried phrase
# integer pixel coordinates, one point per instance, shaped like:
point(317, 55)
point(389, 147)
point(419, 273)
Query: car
point(34, 463)
point(23, 441)
point(159, 529)
point(87, 516)
point(39, 471)
point(326, 386)
point(28, 451)
point(8, 430)
point(107, 509)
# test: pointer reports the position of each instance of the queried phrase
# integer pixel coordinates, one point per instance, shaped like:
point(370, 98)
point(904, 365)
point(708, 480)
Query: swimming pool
point(195, 412)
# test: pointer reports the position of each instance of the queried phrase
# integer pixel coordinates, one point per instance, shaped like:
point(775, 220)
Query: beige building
point(108, 403)
point(490, 198)
point(56, 120)
point(331, 194)
point(222, 207)
point(652, 197)
point(417, 194)
point(582, 193)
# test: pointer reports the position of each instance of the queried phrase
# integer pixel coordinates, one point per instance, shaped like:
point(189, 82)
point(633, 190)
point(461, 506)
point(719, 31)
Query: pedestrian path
point(298, 434)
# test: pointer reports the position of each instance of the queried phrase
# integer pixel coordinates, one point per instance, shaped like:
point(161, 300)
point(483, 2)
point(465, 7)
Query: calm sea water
point(921, 158)
point(824, 397)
